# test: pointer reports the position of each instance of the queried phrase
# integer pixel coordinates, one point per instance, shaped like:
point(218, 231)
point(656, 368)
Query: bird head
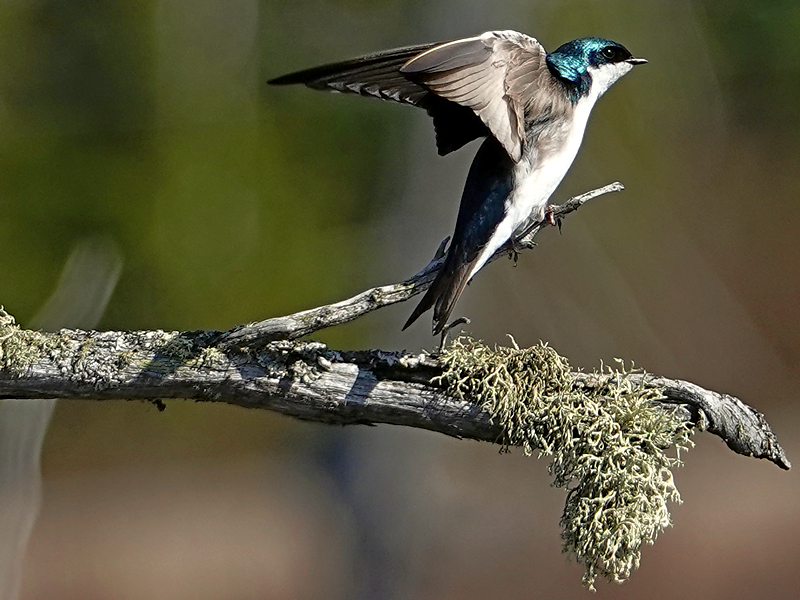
point(591, 65)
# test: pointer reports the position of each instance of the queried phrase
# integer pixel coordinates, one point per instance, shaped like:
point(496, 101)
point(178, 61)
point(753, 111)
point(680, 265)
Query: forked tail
point(443, 293)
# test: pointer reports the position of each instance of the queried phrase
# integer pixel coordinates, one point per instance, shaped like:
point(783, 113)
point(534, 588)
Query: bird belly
point(537, 176)
point(528, 200)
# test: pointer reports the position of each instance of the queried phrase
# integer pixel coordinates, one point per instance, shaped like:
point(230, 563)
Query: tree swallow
point(531, 106)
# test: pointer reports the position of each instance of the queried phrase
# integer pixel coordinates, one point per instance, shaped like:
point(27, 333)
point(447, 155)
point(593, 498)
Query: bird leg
point(446, 332)
point(550, 217)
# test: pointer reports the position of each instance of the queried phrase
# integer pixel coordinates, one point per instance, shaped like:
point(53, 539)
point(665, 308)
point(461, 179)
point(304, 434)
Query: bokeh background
point(149, 123)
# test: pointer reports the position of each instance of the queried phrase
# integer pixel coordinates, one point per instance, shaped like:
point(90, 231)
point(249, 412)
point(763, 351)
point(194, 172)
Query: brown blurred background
point(149, 122)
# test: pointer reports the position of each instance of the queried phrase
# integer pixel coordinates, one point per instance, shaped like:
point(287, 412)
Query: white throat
point(536, 182)
point(603, 77)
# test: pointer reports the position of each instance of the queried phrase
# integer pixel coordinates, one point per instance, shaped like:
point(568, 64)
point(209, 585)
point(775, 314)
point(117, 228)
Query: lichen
point(212, 357)
point(607, 441)
point(19, 348)
point(176, 346)
point(302, 361)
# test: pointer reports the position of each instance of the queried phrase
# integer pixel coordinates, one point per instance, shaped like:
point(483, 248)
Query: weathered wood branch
point(263, 366)
point(303, 323)
point(305, 380)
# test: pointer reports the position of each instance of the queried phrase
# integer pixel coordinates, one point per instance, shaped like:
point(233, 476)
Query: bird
point(531, 107)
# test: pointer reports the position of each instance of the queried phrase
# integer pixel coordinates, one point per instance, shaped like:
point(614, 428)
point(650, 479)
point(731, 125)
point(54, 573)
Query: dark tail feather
point(426, 303)
point(442, 295)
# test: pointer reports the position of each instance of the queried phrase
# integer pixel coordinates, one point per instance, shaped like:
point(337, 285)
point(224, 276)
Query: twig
point(303, 323)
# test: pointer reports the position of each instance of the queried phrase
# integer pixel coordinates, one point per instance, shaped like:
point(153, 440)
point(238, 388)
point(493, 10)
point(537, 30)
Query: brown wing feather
point(471, 87)
point(378, 75)
point(478, 72)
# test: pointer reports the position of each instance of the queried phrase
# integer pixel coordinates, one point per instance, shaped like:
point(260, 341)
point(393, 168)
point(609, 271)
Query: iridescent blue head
point(579, 62)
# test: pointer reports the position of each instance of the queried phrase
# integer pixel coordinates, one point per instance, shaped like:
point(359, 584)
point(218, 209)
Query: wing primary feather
point(461, 84)
point(449, 56)
point(389, 58)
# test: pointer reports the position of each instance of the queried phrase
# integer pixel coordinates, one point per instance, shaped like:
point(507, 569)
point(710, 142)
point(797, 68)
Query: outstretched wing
point(494, 75)
point(378, 75)
point(470, 87)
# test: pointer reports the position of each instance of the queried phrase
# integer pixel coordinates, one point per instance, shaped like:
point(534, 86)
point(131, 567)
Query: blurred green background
point(150, 123)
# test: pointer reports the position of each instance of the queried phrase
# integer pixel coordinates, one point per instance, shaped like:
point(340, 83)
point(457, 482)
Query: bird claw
point(440, 251)
point(550, 217)
point(447, 329)
point(515, 248)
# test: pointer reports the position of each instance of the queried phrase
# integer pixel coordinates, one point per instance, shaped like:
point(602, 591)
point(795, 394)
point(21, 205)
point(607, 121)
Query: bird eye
point(609, 52)
point(615, 54)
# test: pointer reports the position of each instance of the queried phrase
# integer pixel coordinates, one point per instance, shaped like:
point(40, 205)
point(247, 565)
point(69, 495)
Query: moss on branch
point(608, 445)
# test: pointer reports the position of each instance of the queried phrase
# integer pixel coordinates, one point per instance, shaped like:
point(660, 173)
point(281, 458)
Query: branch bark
point(263, 366)
point(308, 381)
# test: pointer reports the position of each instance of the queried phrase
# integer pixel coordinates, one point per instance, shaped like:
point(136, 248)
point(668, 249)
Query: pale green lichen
point(19, 348)
point(176, 346)
point(608, 444)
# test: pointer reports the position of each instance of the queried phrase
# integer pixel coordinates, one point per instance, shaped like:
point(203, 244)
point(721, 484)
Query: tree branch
point(297, 325)
point(607, 434)
point(308, 381)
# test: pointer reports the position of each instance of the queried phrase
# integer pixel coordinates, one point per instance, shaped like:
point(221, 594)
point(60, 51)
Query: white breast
point(536, 179)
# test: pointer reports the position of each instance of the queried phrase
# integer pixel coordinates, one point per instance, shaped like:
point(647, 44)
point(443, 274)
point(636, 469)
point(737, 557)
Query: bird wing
point(494, 75)
point(471, 87)
point(376, 75)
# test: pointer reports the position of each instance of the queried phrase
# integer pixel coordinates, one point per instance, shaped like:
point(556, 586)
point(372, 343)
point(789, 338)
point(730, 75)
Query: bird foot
point(550, 217)
point(446, 331)
point(515, 247)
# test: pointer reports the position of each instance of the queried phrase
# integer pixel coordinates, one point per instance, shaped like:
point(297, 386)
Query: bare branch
point(297, 325)
point(527, 397)
point(725, 416)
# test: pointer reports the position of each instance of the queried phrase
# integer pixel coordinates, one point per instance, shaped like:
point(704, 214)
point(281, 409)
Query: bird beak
point(636, 61)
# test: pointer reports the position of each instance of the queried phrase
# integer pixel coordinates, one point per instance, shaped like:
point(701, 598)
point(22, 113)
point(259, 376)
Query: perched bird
point(531, 106)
